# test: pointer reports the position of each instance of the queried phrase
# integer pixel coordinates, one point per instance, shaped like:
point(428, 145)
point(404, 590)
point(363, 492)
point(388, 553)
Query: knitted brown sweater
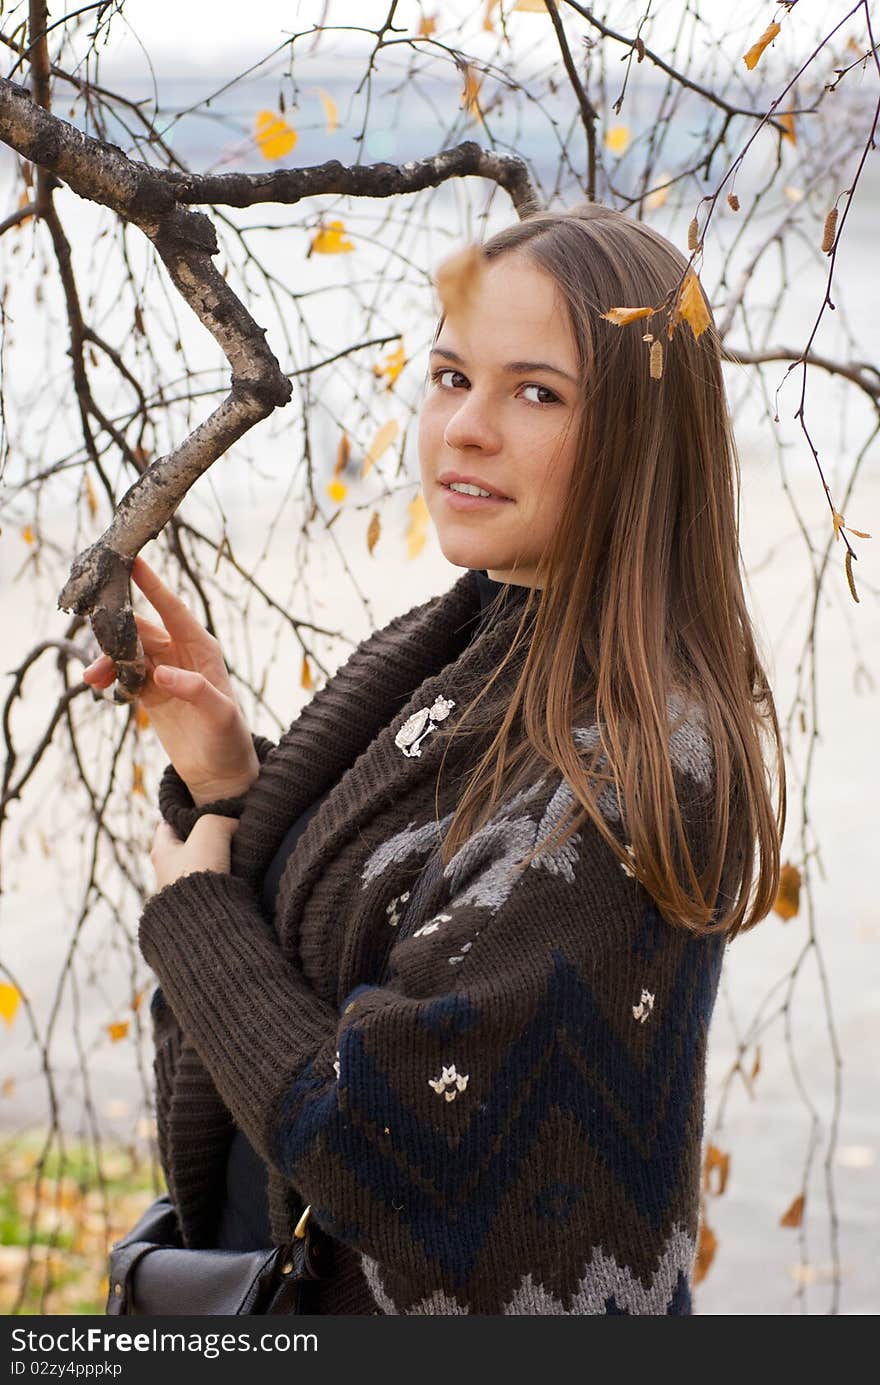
point(511, 1123)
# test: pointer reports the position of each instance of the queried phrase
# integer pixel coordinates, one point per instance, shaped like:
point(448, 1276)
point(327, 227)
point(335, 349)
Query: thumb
point(215, 822)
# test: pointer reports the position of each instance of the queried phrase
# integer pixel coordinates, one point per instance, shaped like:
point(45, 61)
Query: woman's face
point(501, 407)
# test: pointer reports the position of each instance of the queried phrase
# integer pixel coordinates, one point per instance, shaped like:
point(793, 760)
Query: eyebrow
point(512, 367)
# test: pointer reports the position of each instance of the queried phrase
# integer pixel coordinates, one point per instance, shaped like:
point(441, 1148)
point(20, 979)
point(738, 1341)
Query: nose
point(471, 425)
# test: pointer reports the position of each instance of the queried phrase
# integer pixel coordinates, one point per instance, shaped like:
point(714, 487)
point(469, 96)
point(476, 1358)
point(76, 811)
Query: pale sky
point(200, 34)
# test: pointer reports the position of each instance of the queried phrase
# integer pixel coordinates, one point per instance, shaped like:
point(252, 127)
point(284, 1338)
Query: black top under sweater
point(244, 1220)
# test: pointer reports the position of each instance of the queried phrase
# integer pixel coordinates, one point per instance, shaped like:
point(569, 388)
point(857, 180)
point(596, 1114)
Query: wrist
point(212, 793)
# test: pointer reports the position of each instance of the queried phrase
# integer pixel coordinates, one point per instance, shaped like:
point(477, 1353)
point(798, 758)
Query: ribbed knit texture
point(512, 1123)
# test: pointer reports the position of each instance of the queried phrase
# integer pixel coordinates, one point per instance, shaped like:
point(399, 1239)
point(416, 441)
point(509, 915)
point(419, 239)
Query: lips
point(447, 478)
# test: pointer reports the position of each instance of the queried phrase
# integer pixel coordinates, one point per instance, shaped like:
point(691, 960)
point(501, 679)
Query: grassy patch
point(60, 1211)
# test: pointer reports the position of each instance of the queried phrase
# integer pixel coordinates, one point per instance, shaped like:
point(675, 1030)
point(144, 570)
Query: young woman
point(500, 1113)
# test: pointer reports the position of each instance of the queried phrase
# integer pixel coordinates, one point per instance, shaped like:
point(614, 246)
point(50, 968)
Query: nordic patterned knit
point(511, 1122)
point(244, 1218)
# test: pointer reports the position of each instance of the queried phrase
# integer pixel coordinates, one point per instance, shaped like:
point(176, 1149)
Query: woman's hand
point(208, 847)
point(188, 695)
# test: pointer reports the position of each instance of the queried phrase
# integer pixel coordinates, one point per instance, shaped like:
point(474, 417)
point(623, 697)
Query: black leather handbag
point(152, 1273)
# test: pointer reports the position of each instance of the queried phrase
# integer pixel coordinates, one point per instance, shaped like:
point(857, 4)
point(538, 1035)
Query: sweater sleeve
point(523, 1089)
point(176, 802)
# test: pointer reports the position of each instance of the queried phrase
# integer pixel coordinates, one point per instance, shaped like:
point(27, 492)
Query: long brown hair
point(639, 597)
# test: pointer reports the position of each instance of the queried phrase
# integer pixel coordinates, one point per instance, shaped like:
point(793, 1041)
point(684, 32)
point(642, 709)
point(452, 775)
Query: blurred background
point(311, 531)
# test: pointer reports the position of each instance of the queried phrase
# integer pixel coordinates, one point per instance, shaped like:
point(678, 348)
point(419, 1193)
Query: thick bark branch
point(155, 201)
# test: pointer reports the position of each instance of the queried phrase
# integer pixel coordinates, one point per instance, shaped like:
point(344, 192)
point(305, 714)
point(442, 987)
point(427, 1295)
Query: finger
point(180, 623)
point(214, 822)
point(150, 633)
point(193, 688)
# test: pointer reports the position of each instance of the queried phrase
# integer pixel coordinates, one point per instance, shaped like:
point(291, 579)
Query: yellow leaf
point(470, 95)
point(330, 111)
point(786, 120)
point(707, 1244)
point(391, 366)
point(337, 490)
point(137, 1000)
point(331, 240)
point(858, 533)
point(458, 279)
point(618, 139)
point(10, 999)
point(8, 1088)
point(117, 1031)
point(787, 902)
point(373, 530)
point(621, 316)
point(531, 6)
point(427, 26)
point(660, 193)
point(306, 678)
point(839, 523)
point(27, 534)
point(418, 525)
point(718, 1163)
point(752, 57)
point(137, 780)
point(141, 719)
point(692, 305)
point(381, 442)
point(491, 6)
point(274, 136)
point(794, 1215)
point(90, 494)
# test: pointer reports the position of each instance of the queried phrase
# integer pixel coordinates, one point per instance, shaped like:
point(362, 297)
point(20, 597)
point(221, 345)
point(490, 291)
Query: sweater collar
point(371, 733)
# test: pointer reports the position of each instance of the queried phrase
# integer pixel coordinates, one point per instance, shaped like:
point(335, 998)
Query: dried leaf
point(753, 56)
point(373, 530)
point(381, 442)
point(137, 999)
point(756, 1065)
point(90, 494)
point(273, 135)
point(8, 1088)
point(851, 581)
point(786, 120)
point(618, 139)
point(470, 95)
point(330, 112)
point(621, 316)
point(117, 1031)
point(306, 679)
point(10, 999)
point(839, 523)
point(331, 240)
point(733, 201)
point(531, 6)
point(692, 305)
point(787, 902)
point(458, 279)
point(391, 366)
point(707, 1244)
point(718, 1163)
point(141, 719)
point(656, 360)
point(343, 452)
point(27, 534)
point(417, 529)
point(794, 1215)
point(428, 26)
point(337, 490)
point(828, 231)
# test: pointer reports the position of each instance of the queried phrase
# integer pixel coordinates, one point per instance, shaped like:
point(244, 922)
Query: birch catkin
point(828, 231)
point(656, 363)
point(693, 235)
